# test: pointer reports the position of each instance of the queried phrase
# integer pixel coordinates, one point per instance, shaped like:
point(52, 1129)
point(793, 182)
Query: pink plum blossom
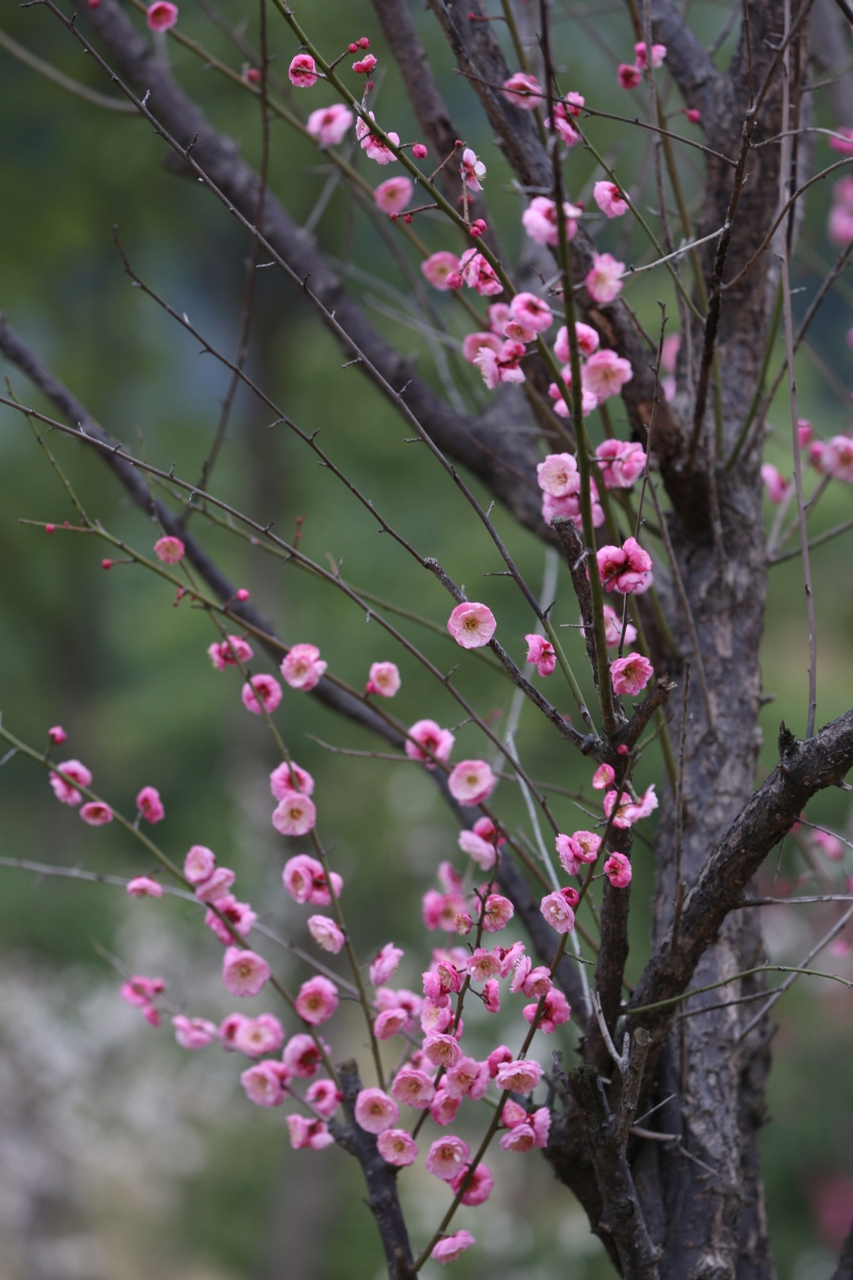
point(587, 337)
point(384, 963)
point(775, 486)
point(447, 1156)
point(419, 151)
point(558, 475)
point(302, 72)
point(261, 689)
point(541, 652)
point(471, 782)
point(609, 199)
point(620, 462)
point(63, 790)
point(140, 992)
point(472, 170)
point(150, 805)
point(238, 917)
point(57, 734)
point(96, 813)
point(413, 1088)
point(473, 343)
point(641, 52)
point(390, 1022)
point(844, 143)
point(472, 625)
point(523, 91)
point(230, 651)
point(313, 1134)
point(450, 1247)
point(477, 849)
point(375, 1111)
point(631, 674)
point(531, 312)
point(603, 777)
point(392, 195)
point(467, 1079)
point(397, 1147)
point(497, 913)
point(244, 972)
point(540, 220)
point(479, 1187)
point(605, 374)
point(483, 964)
point(828, 844)
point(521, 1075)
point(433, 739)
point(326, 933)
point(626, 568)
point(168, 549)
point(374, 146)
point(324, 1097)
point(365, 65)
point(492, 996)
point(582, 847)
point(255, 1036)
point(161, 15)
point(317, 1000)
point(477, 273)
point(562, 121)
point(217, 886)
point(629, 75)
point(384, 679)
point(501, 366)
point(265, 1083)
point(557, 912)
point(303, 667)
point(194, 1033)
point(295, 815)
point(199, 864)
point(289, 777)
point(555, 1011)
point(519, 1138)
point(438, 266)
point(617, 868)
point(330, 125)
point(838, 458)
point(302, 1056)
point(602, 282)
point(442, 1050)
point(613, 628)
point(628, 811)
point(441, 909)
point(144, 887)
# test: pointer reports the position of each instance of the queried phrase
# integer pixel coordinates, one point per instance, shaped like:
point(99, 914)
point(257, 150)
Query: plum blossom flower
point(150, 805)
point(626, 568)
point(216, 887)
point(447, 1156)
point(295, 815)
point(468, 1079)
point(302, 72)
point(199, 864)
point(161, 15)
point(479, 1187)
point(613, 629)
point(629, 75)
point(523, 91)
point(330, 125)
point(384, 679)
point(317, 1000)
point(602, 281)
point(521, 1075)
point(501, 366)
point(603, 777)
point(775, 485)
point(375, 1111)
point(472, 625)
point(541, 651)
point(473, 343)
point(96, 813)
point(230, 651)
point(472, 170)
point(394, 194)
point(492, 996)
point(531, 312)
point(442, 1050)
point(477, 849)
point(540, 220)
point(384, 963)
point(478, 274)
point(605, 374)
point(617, 868)
point(303, 667)
point(57, 734)
point(397, 1147)
point(432, 738)
point(582, 847)
point(140, 992)
point(563, 123)
point(261, 693)
point(308, 1133)
point(239, 916)
point(374, 146)
point(519, 1138)
point(828, 844)
point(326, 933)
point(609, 199)
point(588, 342)
point(471, 782)
point(302, 1056)
point(438, 266)
point(265, 1083)
point(631, 674)
point(497, 913)
point(324, 1097)
point(63, 790)
point(168, 549)
point(289, 777)
point(838, 458)
point(450, 1248)
point(557, 912)
point(620, 462)
point(628, 811)
point(365, 65)
point(255, 1036)
point(244, 972)
point(641, 54)
point(305, 880)
point(413, 1088)
point(555, 1011)
point(194, 1033)
point(558, 475)
point(144, 887)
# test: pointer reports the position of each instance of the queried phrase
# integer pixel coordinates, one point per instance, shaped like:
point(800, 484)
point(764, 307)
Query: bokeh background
point(120, 1155)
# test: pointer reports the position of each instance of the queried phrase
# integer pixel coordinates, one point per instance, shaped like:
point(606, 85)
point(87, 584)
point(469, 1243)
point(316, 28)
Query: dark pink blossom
point(302, 72)
point(96, 813)
point(160, 16)
point(523, 91)
point(617, 868)
point(62, 789)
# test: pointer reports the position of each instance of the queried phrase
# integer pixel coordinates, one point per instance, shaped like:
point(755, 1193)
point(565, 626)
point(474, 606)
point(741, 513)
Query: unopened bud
point(419, 151)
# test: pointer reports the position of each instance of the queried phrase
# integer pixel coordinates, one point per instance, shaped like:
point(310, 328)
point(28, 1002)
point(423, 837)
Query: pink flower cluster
point(212, 885)
point(603, 374)
point(94, 812)
point(625, 569)
point(630, 75)
point(833, 458)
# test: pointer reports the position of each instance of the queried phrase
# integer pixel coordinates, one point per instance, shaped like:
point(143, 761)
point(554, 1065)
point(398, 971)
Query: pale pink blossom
point(150, 805)
point(443, 1108)
point(613, 629)
point(515, 331)
point(140, 991)
point(289, 777)
point(629, 75)
point(229, 1027)
point(374, 146)
point(540, 220)
point(605, 374)
point(384, 679)
point(492, 996)
point(57, 734)
point(558, 475)
point(472, 170)
point(244, 972)
point(324, 1097)
point(497, 1058)
point(433, 739)
point(161, 15)
point(838, 458)
point(626, 568)
point(497, 913)
point(477, 273)
point(840, 225)
point(602, 282)
point(629, 811)
point(631, 674)
point(479, 1186)
point(144, 887)
point(76, 772)
point(617, 868)
point(471, 782)
point(295, 815)
point(541, 652)
point(603, 777)
point(589, 403)
point(582, 847)
point(541, 1123)
point(483, 964)
point(238, 918)
point(641, 52)
point(384, 963)
point(519, 1138)
point(313, 1134)
point(620, 462)
point(168, 549)
point(438, 266)
point(194, 1033)
point(330, 125)
point(326, 933)
point(390, 1022)
point(501, 366)
point(557, 912)
point(394, 194)
point(447, 1156)
point(199, 864)
point(537, 982)
point(317, 1000)
point(397, 1147)
point(413, 1088)
point(261, 689)
point(265, 1083)
point(531, 312)
point(441, 909)
point(562, 122)
point(776, 487)
point(302, 72)
point(303, 667)
point(467, 1079)
point(609, 199)
point(477, 849)
point(555, 1011)
point(498, 315)
point(513, 1113)
point(375, 1111)
point(442, 1050)
point(302, 1056)
point(450, 1248)
point(521, 1075)
point(396, 998)
point(588, 342)
point(828, 844)
point(255, 1036)
point(523, 91)
point(472, 625)
point(96, 813)
point(473, 343)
